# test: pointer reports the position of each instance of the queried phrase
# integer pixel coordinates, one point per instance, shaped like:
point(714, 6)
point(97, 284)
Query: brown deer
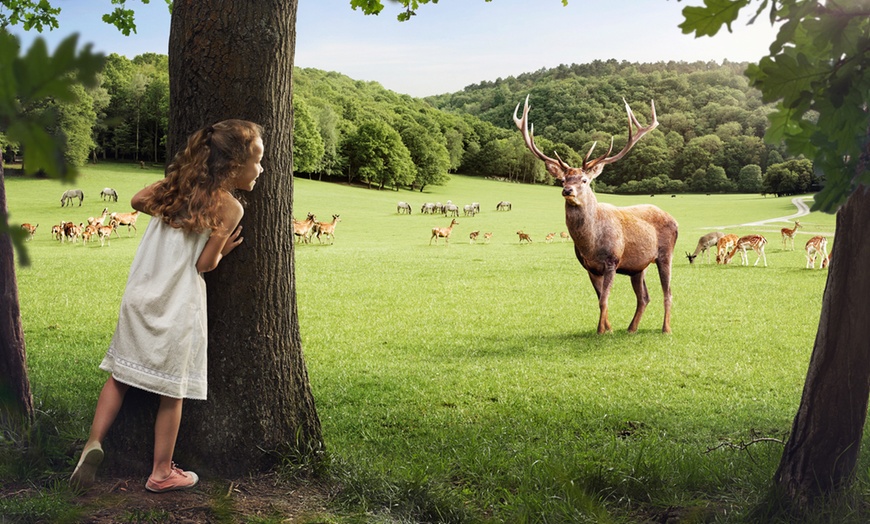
point(816, 246)
point(29, 229)
point(486, 237)
point(472, 237)
point(443, 232)
point(756, 242)
point(302, 229)
point(524, 236)
point(788, 234)
point(608, 239)
point(723, 246)
point(704, 243)
point(327, 229)
point(125, 219)
point(99, 220)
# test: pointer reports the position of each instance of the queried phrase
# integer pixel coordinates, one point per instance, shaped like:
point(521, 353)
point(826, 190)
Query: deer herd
point(95, 229)
point(303, 230)
point(728, 245)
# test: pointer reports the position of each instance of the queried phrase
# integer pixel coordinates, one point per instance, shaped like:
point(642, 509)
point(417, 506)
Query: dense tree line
point(709, 139)
point(712, 123)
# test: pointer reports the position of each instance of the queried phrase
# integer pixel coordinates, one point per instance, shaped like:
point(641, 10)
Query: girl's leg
point(164, 475)
point(108, 405)
point(165, 434)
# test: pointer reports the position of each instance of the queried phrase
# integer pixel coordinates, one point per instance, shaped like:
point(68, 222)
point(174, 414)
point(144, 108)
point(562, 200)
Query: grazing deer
point(327, 229)
point(608, 239)
point(704, 243)
point(524, 236)
point(486, 237)
point(816, 246)
point(788, 234)
point(29, 229)
point(564, 235)
point(442, 232)
point(302, 229)
point(472, 237)
point(549, 238)
point(125, 219)
point(723, 246)
point(756, 242)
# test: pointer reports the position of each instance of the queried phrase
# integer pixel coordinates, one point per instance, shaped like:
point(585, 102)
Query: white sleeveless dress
point(161, 338)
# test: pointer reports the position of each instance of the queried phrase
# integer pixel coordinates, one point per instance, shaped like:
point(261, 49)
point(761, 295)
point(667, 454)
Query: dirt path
point(802, 210)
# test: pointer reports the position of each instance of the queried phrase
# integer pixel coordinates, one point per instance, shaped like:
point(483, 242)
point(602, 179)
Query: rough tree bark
point(822, 451)
point(234, 59)
point(16, 399)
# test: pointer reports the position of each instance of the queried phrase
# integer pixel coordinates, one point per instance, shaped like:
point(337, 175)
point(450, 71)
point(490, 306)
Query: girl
point(160, 342)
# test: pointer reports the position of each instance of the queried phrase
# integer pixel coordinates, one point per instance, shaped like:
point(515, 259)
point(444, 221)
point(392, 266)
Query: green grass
point(466, 382)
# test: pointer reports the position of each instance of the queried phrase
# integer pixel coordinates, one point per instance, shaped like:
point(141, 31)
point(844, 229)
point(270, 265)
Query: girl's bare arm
point(139, 199)
point(224, 239)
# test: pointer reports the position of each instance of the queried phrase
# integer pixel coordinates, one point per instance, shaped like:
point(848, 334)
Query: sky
point(452, 44)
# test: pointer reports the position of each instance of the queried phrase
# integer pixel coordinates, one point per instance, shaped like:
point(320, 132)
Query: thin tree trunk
point(822, 451)
point(234, 59)
point(16, 401)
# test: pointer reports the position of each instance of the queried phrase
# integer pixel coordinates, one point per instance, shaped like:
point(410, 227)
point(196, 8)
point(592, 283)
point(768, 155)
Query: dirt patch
point(243, 500)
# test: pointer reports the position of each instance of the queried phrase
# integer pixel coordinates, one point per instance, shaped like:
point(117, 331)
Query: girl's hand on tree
point(233, 241)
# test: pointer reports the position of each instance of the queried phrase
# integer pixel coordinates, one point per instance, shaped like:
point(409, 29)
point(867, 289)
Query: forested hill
point(709, 138)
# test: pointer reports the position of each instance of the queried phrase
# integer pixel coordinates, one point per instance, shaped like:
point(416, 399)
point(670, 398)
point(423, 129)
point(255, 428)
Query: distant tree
point(790, 177)
point(378, 156)
point(749, 180)
point(75, 123)
point(428, 152)
point(741, 150)
point(327, 124)
point(454, 148)
point(710, 180)
point(308, 148)
point(700, 153)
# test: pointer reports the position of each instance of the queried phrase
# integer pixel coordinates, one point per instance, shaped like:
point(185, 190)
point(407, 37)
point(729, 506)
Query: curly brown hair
point(187, 197)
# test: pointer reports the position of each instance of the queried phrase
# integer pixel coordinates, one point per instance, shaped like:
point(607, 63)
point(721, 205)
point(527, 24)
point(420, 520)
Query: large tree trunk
point(822, 451)
point(234, 59)
point(16, 401)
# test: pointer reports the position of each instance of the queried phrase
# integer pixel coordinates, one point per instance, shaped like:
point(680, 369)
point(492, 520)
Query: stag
point(608, 239)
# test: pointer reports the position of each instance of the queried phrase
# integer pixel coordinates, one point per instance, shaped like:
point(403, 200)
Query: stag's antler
point(557, 166)
point(554, 166)
point(633, 138)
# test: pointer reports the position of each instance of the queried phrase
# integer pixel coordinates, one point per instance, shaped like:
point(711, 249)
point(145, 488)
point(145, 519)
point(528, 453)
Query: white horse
point(69, 195)
point(109, 194)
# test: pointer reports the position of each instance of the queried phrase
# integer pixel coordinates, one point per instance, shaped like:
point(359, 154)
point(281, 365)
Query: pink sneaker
point(176, 480)
point(86, 470)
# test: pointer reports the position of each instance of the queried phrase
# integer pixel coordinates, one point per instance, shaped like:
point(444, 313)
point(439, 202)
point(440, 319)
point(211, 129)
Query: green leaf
point(707, 20)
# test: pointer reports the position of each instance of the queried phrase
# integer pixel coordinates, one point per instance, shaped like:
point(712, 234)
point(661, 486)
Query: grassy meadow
point(465, 382)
